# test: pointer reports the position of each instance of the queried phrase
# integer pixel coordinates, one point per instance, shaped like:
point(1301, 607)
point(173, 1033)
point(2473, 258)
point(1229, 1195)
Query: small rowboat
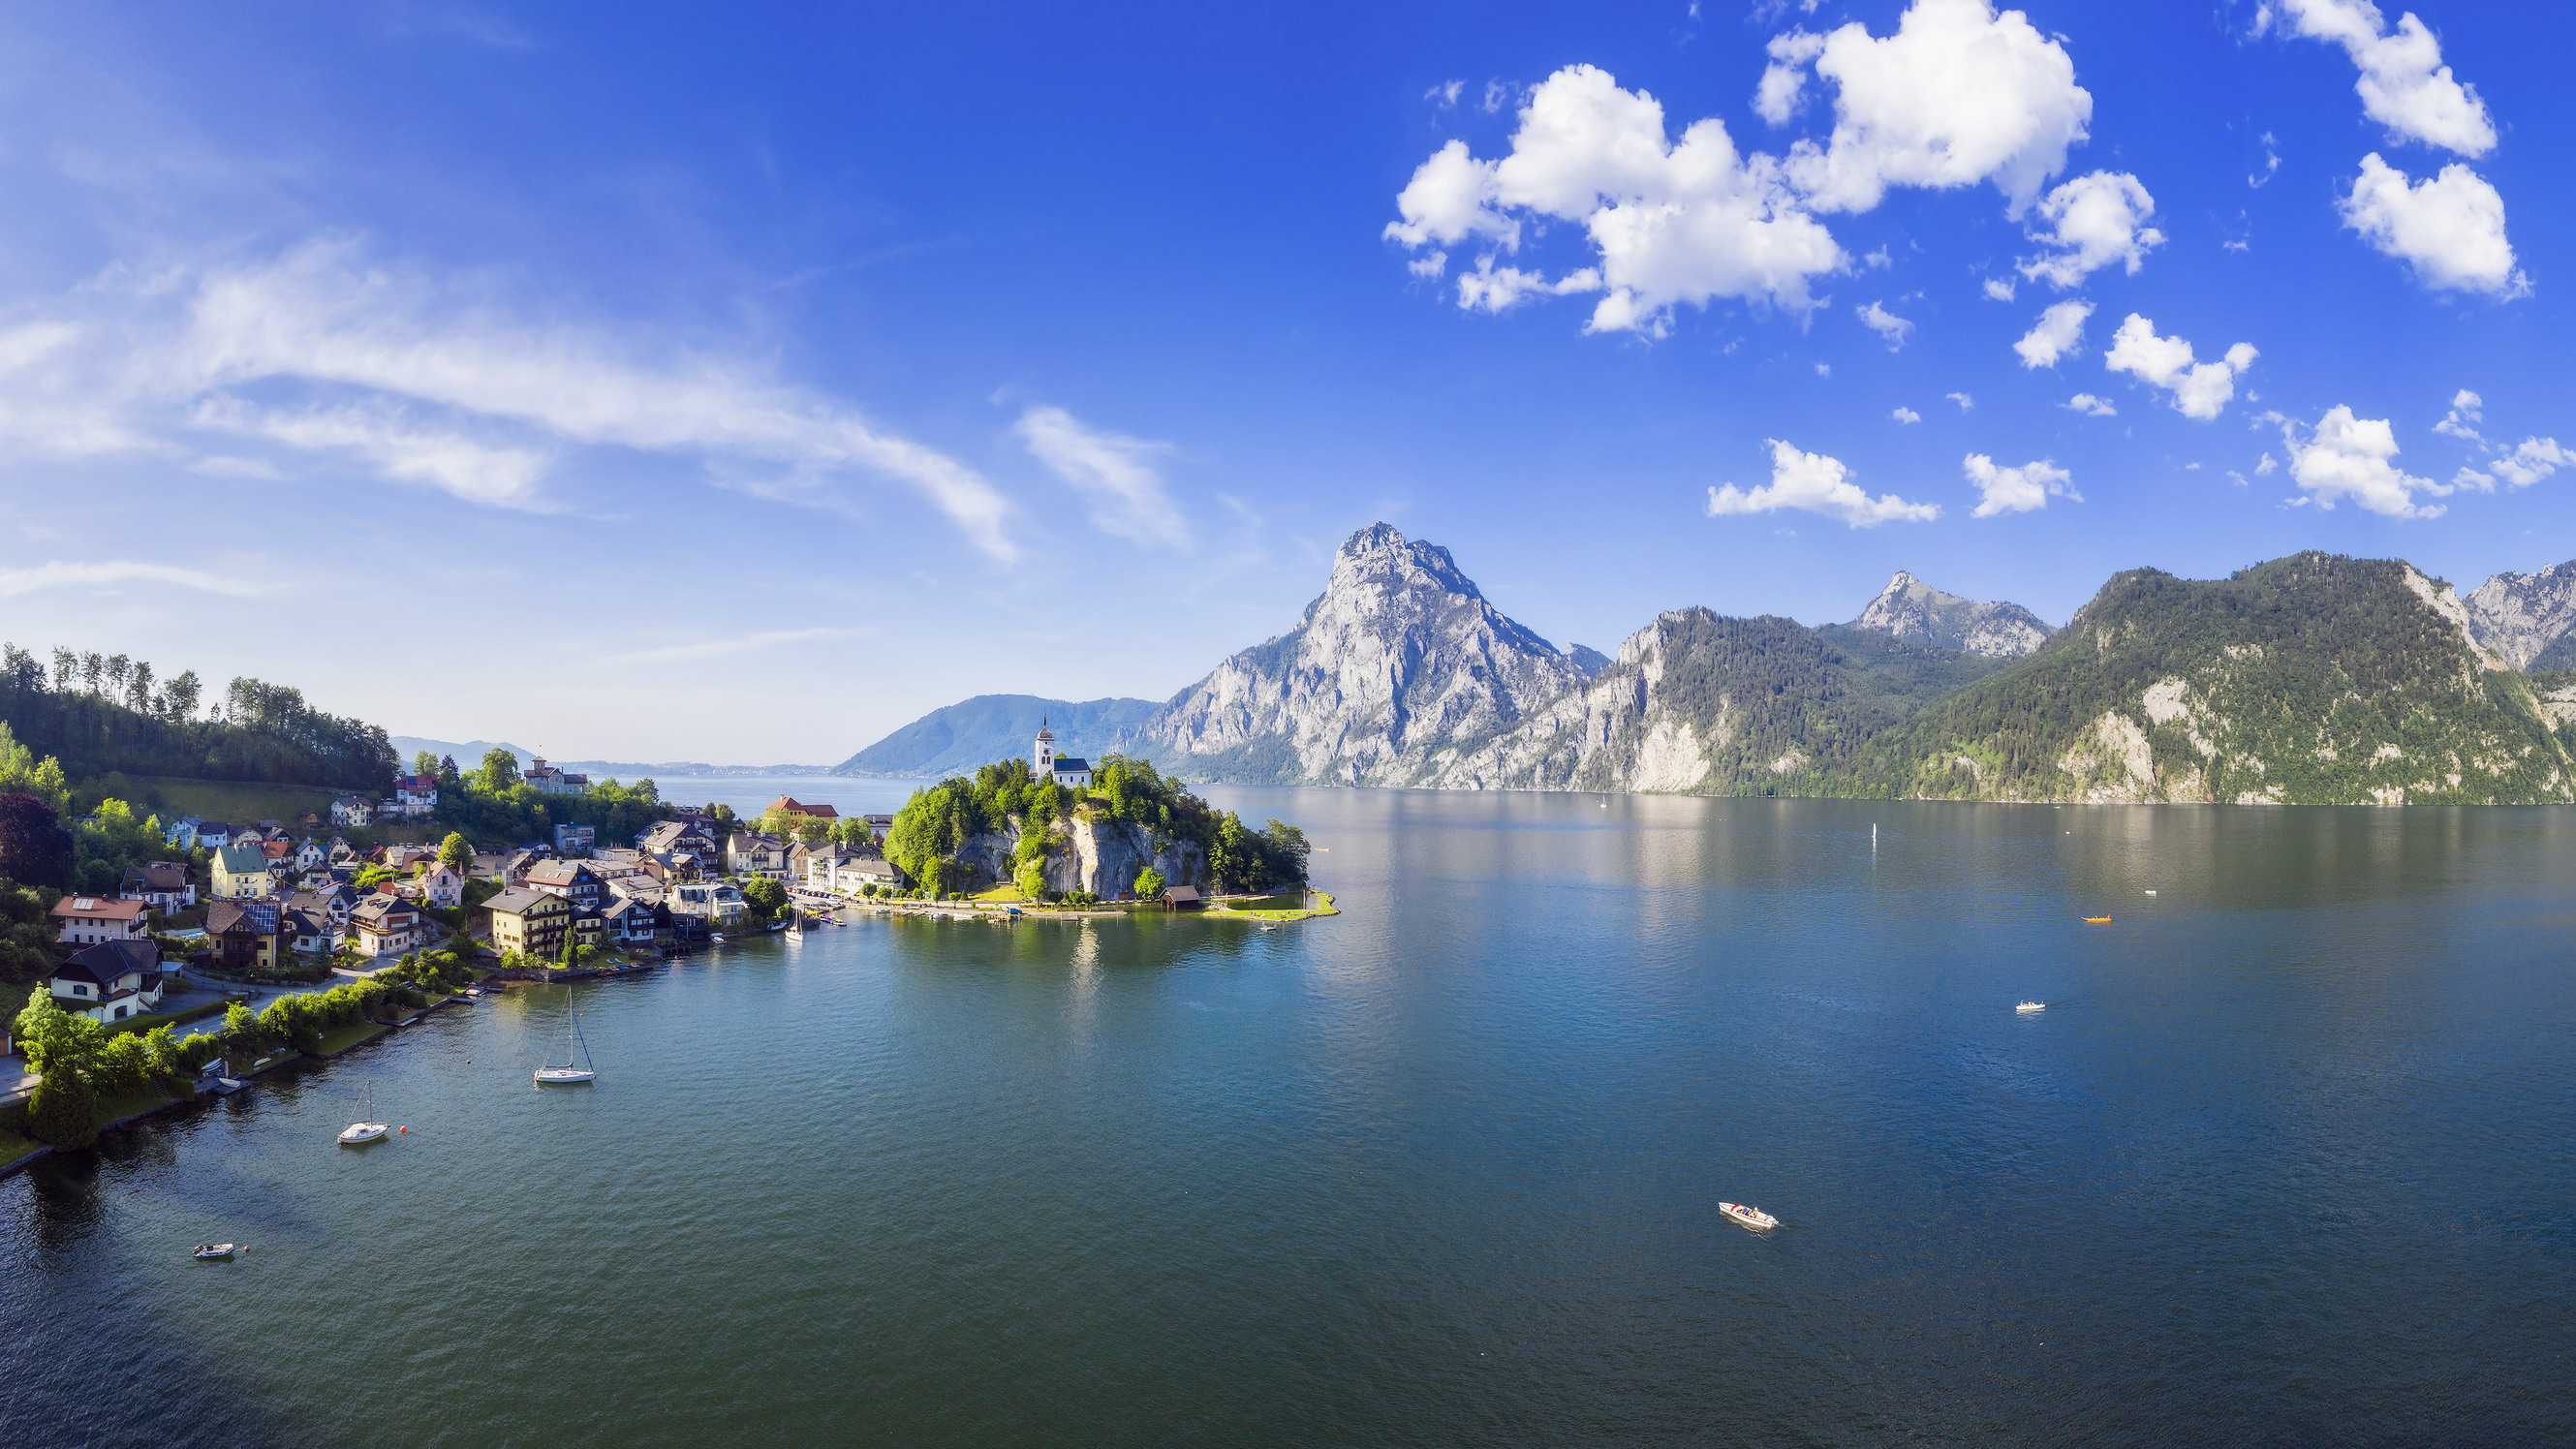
point(1751, 1217)
point(212, 1251)
point(2097, 920)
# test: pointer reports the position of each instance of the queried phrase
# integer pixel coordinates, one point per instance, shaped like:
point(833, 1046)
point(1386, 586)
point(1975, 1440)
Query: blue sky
point(655, 381)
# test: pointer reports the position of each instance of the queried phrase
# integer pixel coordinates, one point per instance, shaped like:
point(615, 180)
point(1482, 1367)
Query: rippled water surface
point(2286, 1160)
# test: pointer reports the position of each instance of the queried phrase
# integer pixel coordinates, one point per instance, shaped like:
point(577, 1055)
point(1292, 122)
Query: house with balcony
point(416, 797)
point(88, 920)
point(545, 779)
point(711, 905)
point(164, 885)
point(109, 981)
point(384, 925)
point(574, 880)
point(529, 921)
point(244, 935)
point(748, 852)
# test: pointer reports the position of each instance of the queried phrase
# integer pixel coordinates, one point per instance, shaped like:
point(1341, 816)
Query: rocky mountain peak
point(1911, 609)
point(2527, 618)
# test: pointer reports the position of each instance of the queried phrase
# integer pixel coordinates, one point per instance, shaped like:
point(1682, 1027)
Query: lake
point(2287, 1160)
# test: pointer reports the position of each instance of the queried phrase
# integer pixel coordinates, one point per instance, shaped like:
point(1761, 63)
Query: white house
point(110, 981)
point(383, 924)
point(87, 920)
point(416, 796)
point(1070, 771)
point(352, 812)
point(716, 903)
point(440, 886)
point(164, 885)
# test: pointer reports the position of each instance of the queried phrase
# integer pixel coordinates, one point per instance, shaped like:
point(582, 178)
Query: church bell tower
point(1043, 757)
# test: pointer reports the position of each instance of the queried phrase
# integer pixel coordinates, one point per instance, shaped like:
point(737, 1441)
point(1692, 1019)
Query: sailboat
point(362, 1131)
point(565, 1075)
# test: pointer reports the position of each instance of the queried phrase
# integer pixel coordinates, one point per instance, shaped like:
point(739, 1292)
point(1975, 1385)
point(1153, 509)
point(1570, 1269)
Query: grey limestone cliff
point(1913, 610)
point(2526, 617)
point(1400, 659)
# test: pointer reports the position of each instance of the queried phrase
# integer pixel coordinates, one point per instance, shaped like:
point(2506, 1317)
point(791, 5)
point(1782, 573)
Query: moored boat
point(549, 1075)
point(208, 1252)
point(365, 1130)
point(1750, 1216)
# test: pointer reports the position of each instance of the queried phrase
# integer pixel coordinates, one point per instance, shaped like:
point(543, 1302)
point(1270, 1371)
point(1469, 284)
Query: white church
point(1071, 771)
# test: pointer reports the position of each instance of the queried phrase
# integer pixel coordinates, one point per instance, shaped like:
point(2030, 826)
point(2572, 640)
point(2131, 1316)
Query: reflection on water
point(2284, 1160)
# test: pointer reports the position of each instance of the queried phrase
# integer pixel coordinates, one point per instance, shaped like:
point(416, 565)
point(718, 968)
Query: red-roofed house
point(88, 920)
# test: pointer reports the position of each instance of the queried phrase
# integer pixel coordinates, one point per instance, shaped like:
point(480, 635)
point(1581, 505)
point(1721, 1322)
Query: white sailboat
point(567, 1074)
point(365, 1129)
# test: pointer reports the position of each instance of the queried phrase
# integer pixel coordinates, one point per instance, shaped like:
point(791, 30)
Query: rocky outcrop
point(1087, 854)
point(1400, 659)
point(1911, 609)
point(2526, 618)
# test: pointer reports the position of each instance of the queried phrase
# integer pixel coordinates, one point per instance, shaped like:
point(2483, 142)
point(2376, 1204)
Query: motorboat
point(2029, 1006)
point(210, 1252)
point(364, 1131)
point(2097, 920)
point(567, 1075)
point(1750, 1216)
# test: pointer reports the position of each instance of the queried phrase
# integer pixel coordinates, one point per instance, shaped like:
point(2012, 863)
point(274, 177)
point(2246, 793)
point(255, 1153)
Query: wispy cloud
point(1116, 473)
point(718, 648)
point(430, 381)
point(108, 574)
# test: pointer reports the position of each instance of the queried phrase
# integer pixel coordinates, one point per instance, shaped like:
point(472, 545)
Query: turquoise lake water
point(2287, 1160)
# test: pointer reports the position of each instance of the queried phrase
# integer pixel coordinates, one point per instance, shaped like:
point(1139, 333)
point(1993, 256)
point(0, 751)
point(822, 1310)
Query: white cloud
point(1445, 94)
point(1824, 369)
point(1964, 401)
point(382, 434)
point(2271, 164)
point(1429, 265)
point(1999, 289)
point(2017, 490)
point(1449, 200)
point(1817, 484)
point(2467, 411)
point(2091, 406)
point(2267, 467)
point(2404, 86)
point(2531, 460)
point(2055, 335)
point(324, 350)
point(2348, 457)
point(107, 574)
point(2449, 228)
point(2200, 390)
point(1490, 288)
point(1784, 80)
point(2093, 221)
point(1117, 473)
point(1956, 96)
point(1890, 327)
point(1906, 415)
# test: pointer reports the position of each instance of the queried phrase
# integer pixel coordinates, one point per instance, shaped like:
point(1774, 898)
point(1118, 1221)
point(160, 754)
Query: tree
point(1032, 878)
point(1288, 852)
point(52, 1038)
point(424, 763)
point(764, 896)
point(179, 696)
point(22, 772)
point(499, 772)
point(1149, 883)
point(34, 847)
point(456, 853)
point(63, 1112)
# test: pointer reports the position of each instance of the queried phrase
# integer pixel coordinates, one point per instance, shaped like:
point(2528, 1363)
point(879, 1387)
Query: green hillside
point(2312, 679)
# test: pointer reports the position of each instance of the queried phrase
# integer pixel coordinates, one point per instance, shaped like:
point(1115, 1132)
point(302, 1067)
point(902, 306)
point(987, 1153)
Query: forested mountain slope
point(1918, 613)
point(2310, 679)
point(1700, 703)
point(101, 716)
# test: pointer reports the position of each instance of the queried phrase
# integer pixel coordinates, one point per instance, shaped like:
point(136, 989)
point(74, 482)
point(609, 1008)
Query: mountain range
point(2309, 679)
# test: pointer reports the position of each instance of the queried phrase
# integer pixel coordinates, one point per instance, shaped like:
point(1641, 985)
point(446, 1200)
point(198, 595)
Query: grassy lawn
point(1259, 911)
point(1000, 894)
point(142, 1100)
point(235, 802)
point(340, 1038)
point(13, 1146)
point(198, 1012)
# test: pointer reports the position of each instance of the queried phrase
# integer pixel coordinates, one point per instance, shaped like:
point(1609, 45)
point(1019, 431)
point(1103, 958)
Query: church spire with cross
point(1043, 757)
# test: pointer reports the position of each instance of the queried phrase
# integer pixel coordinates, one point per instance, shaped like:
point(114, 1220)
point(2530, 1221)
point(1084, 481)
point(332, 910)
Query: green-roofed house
point(241, 873)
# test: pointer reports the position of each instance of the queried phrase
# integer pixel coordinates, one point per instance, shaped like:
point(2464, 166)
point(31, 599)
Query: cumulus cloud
point(2526, 463)
point(2449, 228)
point(2467, 411)
point(1490, 288)
point(1890, 327)
point(2349, 457)
point(2058, 330)
point(2091, 406)
point(1964, 401)
point(2017, 490)
point(2200, 389)
point(1958, 95)
point(2404, 86)
point(1906, 415)
point(1118, 474)
point(1999, 289)
point(2093, 221)
point(1816, 484)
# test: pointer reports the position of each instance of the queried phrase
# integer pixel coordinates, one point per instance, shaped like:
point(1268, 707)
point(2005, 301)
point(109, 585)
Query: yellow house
point(241, 873)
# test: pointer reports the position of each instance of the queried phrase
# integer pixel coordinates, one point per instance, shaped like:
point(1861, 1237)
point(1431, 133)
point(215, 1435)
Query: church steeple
point(1043, 757)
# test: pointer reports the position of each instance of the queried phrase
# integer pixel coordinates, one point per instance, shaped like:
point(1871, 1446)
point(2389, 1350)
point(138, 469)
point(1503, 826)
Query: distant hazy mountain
point(2312, 679)
point(2527, 618)
point(1913, 610)
point(1400, 659)
point(467, 755)
point(959, 737)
